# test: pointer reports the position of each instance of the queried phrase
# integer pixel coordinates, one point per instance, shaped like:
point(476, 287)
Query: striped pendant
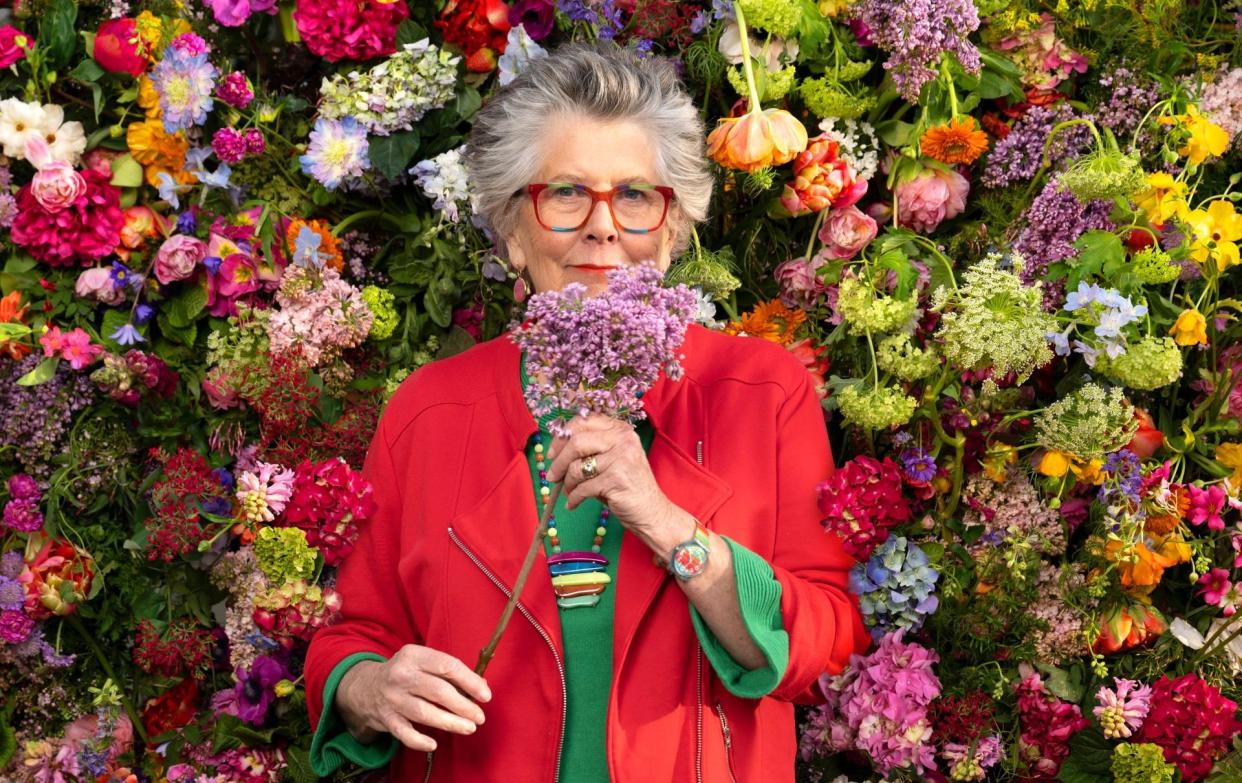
point(578, 578)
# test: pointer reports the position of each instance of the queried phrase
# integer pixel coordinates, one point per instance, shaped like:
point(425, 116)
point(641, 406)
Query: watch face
point(689, 560)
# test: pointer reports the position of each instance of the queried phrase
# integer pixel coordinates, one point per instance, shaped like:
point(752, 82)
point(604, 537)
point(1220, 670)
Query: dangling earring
point(519, 290)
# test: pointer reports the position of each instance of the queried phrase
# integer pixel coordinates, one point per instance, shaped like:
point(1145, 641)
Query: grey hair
point(602, 81)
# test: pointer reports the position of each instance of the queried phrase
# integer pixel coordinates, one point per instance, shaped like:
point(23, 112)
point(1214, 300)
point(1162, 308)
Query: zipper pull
point(698, 452)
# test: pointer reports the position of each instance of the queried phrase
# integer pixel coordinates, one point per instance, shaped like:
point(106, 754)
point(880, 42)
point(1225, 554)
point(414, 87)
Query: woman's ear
point(516, 254)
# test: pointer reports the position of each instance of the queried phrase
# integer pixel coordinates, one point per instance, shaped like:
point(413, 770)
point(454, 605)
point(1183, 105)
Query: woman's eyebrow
point(578, 179)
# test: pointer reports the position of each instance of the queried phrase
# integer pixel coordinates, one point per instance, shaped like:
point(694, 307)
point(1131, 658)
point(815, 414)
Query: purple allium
point(229, 145)
point(918, 464)
point(915, 33)
point(1019, 155)
point(1054, 222)
point(235, 90)
point(15, 626)
point(600, 354)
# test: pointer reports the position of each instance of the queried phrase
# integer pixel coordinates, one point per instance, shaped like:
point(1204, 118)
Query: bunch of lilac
point(1054, 222)
point(22, 513)
point(879, 705)
point(37, 418)
point(600, 354)
point(1221, 100)
point(895, 587)
point(1019, 155)
point(917, 33)
point(1107, 313)
point(1132, 95)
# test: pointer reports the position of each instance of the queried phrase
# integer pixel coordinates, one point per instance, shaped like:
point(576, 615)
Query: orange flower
point(328, 248)
point(158, 151)
point(149, 97)
point(958, 141)
point(141, 223)
point(1124, 627)
point(772, 321)
point(1054, 463)
point(12, 311)
point(771, 137)
point(1163, 519)
point(1142, 567)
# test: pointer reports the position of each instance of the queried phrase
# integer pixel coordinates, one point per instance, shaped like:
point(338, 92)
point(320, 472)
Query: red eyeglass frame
point(535, 188)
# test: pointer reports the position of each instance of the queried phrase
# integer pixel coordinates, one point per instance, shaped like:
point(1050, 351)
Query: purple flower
point(916, 33)
point(234, 13)
point(235, 90)
point(186, 222)
point(1054, 222)
point(229, 145)
point(23, 515)
point(126, 334)
point(918, 464)
point(15, 626)
point(535, 15)
point(1125, 477)
point(1019, 155)
point(143, 313)
point(23, 487)
point(256, 688)
point(185, 83)
point(12, 594)
point(11, 564)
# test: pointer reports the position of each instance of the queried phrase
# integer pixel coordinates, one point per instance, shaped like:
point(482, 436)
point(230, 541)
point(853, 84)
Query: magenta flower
point(1121, 712)
point(1206, 505)
point(1217, 590)
point(15, 626)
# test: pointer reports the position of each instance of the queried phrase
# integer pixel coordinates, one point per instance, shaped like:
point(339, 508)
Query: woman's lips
point(594, 267)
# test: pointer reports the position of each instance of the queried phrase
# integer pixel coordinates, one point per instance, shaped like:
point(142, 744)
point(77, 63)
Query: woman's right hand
point(418, 687)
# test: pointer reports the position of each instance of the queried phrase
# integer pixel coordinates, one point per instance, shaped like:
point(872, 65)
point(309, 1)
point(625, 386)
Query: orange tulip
point(1145, 570)
point(771, 137)
point(1125, 627)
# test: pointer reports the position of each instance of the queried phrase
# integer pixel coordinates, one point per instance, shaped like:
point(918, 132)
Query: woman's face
point(599, 154)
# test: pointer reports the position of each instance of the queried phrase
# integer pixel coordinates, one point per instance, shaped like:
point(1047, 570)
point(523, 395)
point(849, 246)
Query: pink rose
point(178, 257)
point(847, 231)
point(932, 196)
point(55, 184)
point(96, 283)
point(800, 284)
point(13, 45)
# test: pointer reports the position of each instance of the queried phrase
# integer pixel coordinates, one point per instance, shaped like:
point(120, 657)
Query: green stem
point(134, 718)
point(744, 37)
point(948, 77)
point(819, 221)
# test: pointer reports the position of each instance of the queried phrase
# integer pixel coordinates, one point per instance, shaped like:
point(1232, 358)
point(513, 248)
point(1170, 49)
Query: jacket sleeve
point(820, 615)
point(372, 617)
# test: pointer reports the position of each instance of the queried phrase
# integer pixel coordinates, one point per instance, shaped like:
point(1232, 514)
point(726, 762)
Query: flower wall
point(1002, 237)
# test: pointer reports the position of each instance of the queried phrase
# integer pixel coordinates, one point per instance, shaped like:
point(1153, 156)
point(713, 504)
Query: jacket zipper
point(560, 668)
point(698, 715)
point(728, 739)
point(431, 757)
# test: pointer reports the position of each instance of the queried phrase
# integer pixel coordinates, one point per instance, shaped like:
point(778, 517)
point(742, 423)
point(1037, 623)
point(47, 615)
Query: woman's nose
point(600, 225)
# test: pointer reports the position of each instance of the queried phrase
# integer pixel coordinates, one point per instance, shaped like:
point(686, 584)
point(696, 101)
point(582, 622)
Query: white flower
point(706, 314)
point(520, 50)
point(443, 178)
point(20, 120)
point(730, 46)
point(1186, 633)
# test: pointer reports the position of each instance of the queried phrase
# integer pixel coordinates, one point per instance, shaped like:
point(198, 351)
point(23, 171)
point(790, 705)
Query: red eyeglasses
point(636, 208)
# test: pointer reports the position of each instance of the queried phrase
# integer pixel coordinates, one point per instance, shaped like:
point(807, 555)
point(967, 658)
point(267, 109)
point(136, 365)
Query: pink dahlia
point(349, 29)
point(329, 500)
point(1191, 722)
point(1047, 725)
point(82, 232)
point(861, 501)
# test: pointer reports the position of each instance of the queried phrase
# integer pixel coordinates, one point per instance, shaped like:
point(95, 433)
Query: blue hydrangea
point(895, 587)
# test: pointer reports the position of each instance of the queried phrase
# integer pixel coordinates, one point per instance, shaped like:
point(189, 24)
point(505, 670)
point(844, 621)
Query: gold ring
point(589, 468)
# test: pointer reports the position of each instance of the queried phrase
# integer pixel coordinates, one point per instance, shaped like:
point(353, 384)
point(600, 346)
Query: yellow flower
point(1163, 198)
point(771, 137)
point(149, 97)
point(1190, 328)
point(1207, 139)
point(1216, 231)
point(158, 151)
point(1054, 463)
point(1230, 455)
point(834, 8)
point(156, 33)
point(1089, 472)
point(995, 463)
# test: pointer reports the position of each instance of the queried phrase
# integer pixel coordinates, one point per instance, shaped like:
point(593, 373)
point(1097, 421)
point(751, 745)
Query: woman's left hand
point(623, 479)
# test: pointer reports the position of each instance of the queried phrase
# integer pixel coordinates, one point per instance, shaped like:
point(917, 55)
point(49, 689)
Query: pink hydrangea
point(80, 234)
point(320, 314)
point(234, 13)
point(930, 197)
point(329, 500)
point(1191, 722)
point(349, 29)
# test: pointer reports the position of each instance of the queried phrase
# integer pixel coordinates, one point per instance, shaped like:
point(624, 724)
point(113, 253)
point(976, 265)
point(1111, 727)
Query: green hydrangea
point(1088, 423)
point(880, 408)
point(827, 98)
point(283, 554)
point(772, 85)
point(380, 302)
point(850, 70)
point(865, 312)
point(995, 321)
point(1153, 266)
point(779, 17)
point(705, 270)
point(1141, 763)
point(1102, 174)
point(244, 340)
point(1148, 364)
point(419, 77)
point(899, 356)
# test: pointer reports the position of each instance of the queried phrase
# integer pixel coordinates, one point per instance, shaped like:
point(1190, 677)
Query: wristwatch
point(689, 558)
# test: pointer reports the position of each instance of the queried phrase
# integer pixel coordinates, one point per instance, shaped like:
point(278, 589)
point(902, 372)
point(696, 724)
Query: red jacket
point(740, 443)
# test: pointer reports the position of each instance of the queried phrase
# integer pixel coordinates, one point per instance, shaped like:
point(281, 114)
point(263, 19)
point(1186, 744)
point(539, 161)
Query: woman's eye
point(565, 191)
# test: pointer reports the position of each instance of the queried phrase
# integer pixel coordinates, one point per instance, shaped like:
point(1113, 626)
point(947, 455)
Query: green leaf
point(87, 71)
point(57, 35)
point(907, 275)
point(185, 335)
point(391, 155)
point(19, 263)
point(13, 331)
point(40, 374)
point(299, 766)
point(437, 307)
point(8, 737)
point(230, 732)
point(183, 308)
point(409, 32)
point(1090, 759)
point(126, 172)
point(1067, 686)
point(895, 133)
point(468, 102)
point(1096, 249)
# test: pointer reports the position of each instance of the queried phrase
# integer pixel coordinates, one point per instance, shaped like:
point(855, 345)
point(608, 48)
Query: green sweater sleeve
point(332, 744)
point(759, 595)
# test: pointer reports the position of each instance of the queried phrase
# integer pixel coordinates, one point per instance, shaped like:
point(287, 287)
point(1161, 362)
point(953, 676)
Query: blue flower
point(143, 313)
point(1085, 295)
point(168, 189)
point(127, 335)
point(306, 249)
point(895, 587)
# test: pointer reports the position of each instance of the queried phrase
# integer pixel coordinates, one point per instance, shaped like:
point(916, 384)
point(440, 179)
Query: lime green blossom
point(1102, 175)
point(996, 322)
point(899, 356)
point(244, 340)
point(1141, 763)
point(380, 301)
point(1088, 423)
point(876, 409)
point(707, 271)
point(1153, 266)
point(826, 98)
point(853, 69)
point(772, 85)
point(778, 17)
point(284, 555)
point(1148, 364)
point(865, 312)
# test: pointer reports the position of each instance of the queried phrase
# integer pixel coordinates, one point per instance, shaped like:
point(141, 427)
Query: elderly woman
point(591, 160)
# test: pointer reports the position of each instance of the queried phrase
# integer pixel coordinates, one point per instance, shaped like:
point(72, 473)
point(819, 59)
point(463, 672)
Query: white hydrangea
point(395, 94)
point(858, 144)
point(443, 178)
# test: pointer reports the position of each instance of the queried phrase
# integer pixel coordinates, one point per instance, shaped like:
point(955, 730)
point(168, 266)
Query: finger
point(583, 490)
point(446, 695)
point(594, 425)
point(408, 736)
point(452, 669)
point(423, 712)
point(577, 448)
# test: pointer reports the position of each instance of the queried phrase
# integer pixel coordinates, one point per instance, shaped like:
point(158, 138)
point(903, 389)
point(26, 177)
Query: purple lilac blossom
point(1054, 222)
point(38, 417)
point(916, 33)
point(1132, 95)
point(1018, 156)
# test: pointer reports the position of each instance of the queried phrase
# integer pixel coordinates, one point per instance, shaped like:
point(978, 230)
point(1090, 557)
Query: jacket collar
point(677, 419)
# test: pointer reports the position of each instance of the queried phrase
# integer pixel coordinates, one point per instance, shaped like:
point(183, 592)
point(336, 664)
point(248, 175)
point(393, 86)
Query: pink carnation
point(861, 501)
point(83, 232)
point(932, 196)
point(846, 232)
point(349, 29)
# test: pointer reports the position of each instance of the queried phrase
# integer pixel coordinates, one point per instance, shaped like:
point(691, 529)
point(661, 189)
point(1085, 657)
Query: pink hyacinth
point(1121, 711)
point(264, 492)
point(930, 197)
point(1206, 505)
